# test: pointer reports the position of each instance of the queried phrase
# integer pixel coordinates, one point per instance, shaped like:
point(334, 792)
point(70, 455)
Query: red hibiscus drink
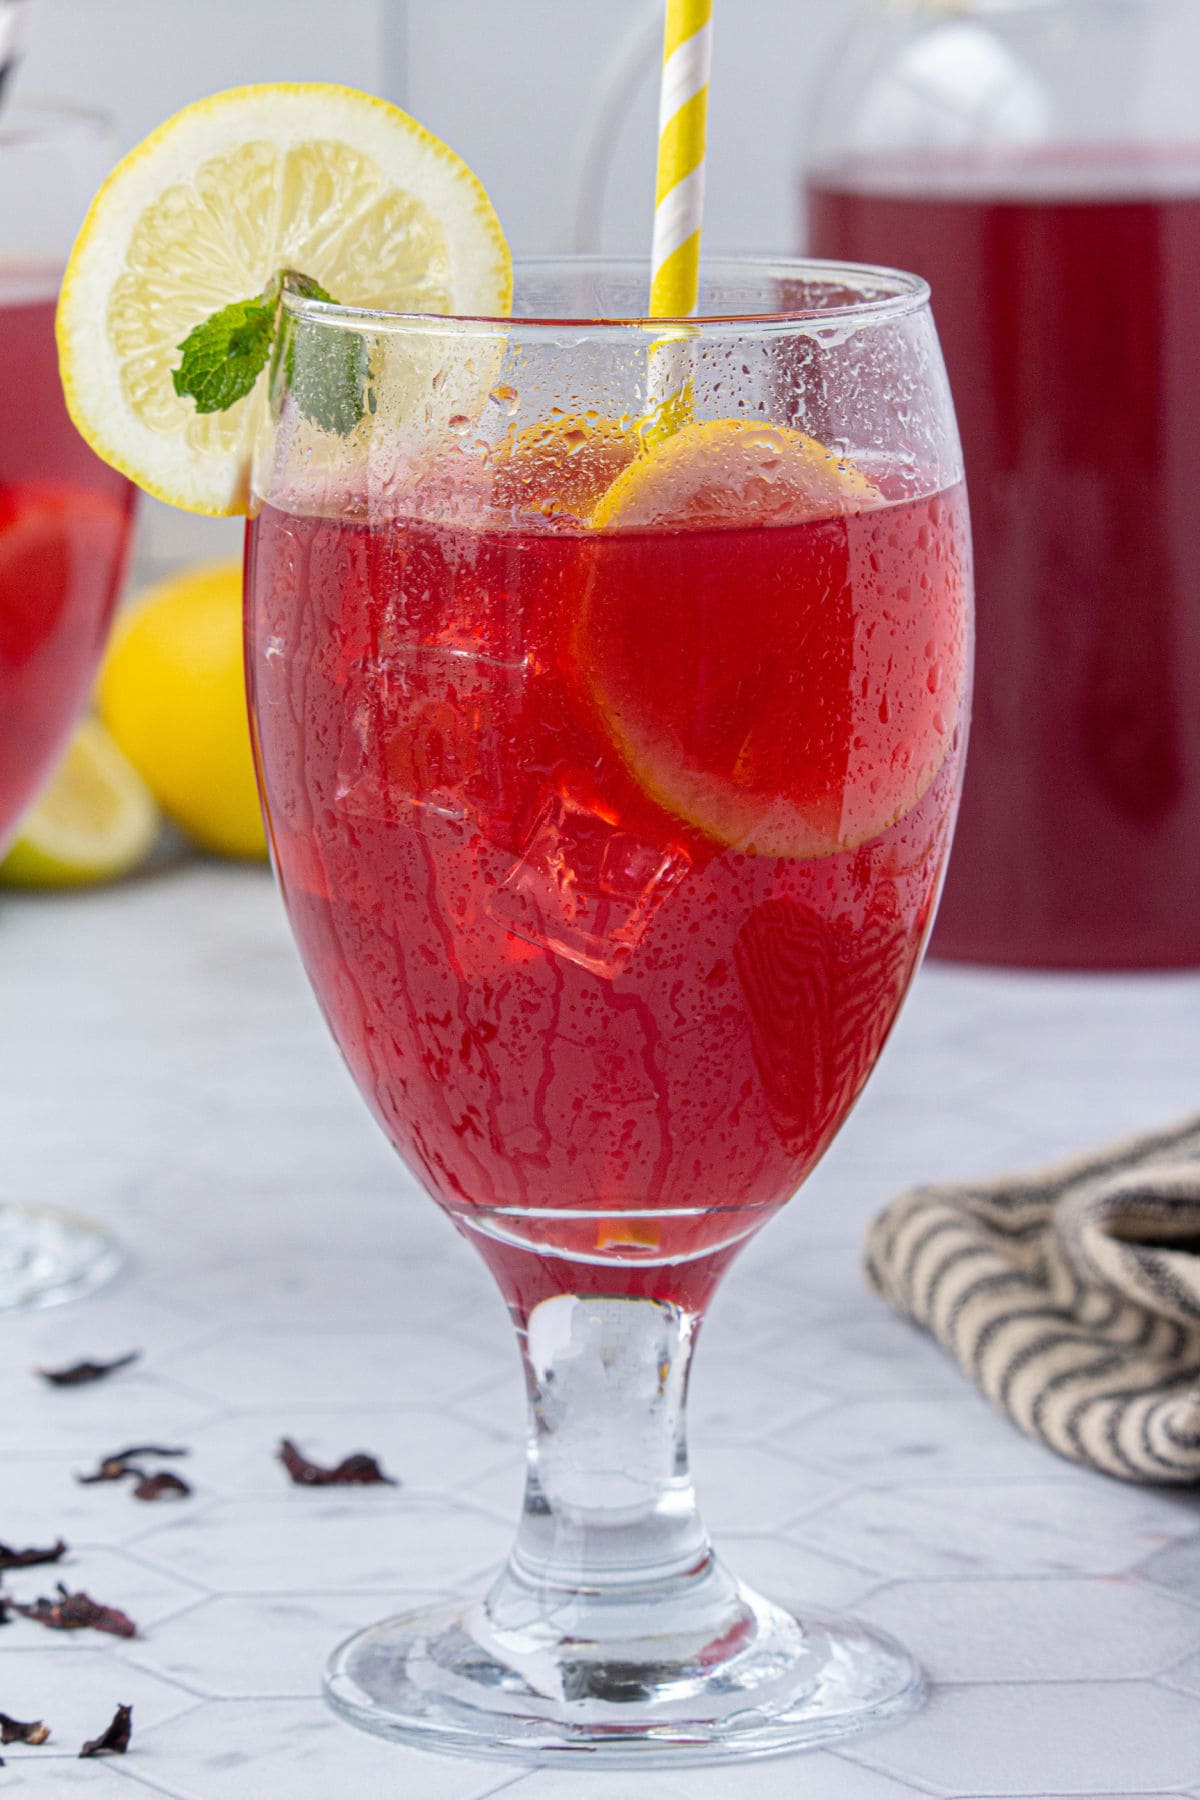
point(64, 528)
point(598, 1026)
point(610, 689)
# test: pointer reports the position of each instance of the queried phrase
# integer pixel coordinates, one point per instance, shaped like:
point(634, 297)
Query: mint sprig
point(224, 356)
point(327, 374)
point(226, 353)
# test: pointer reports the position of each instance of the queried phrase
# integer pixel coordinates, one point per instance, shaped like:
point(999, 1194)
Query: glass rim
point(36, 121)
point(904, 294)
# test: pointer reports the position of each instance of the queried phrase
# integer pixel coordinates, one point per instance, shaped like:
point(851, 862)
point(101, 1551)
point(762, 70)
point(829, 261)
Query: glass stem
point(610, 1538)
point(614, 1631)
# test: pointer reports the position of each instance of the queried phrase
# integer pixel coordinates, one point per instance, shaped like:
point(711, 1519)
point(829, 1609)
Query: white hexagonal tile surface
point(287, 1276)
point(1014, 1630)
point(1043, 1739)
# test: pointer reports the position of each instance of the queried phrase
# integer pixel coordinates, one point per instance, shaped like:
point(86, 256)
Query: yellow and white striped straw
point(682, 142)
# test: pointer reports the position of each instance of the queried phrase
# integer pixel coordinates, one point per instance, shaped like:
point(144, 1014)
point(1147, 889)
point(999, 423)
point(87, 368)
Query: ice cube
point(426, 730)
point(585, 888)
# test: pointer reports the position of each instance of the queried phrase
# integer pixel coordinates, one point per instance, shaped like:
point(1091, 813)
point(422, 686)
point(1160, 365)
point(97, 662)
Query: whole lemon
point(172, 693)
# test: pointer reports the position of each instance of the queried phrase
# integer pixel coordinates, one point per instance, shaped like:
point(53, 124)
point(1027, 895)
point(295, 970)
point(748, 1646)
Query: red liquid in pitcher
point(596, 1028)
point(64, 527)
point(1069, 310)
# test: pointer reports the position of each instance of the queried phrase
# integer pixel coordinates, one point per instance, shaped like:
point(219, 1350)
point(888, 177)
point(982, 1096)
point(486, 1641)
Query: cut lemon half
point(776, 651)
point(172, 692)
point(94, 821)
point(341, 186)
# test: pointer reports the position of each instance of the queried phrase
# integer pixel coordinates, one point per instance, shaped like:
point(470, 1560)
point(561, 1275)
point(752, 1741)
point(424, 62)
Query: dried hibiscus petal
point(359, 1470)
point(80, 1373)
point(114, 1739)
point(16, 1731)
point(29, 1559)
point(124, 1462)
point(77, 1612)
point(154, 1487)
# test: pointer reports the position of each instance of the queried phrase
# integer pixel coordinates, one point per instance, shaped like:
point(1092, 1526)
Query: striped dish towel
point(1071, 1297)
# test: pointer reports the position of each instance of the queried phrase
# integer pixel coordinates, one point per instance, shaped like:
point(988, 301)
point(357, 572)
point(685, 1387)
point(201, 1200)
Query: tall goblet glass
point(64, 532)
point(610, 752)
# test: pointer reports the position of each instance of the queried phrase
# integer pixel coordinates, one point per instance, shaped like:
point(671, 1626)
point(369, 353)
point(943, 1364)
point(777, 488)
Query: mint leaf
point(226, 353)
point(328, 380)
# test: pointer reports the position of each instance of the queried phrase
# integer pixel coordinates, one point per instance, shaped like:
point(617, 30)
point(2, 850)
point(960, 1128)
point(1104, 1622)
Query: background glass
point(64, 533)
point(1038, 161)
point(610, 855)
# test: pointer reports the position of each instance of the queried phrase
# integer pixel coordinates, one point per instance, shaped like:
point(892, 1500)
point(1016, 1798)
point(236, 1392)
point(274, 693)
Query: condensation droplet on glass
point(506, 398)
point(769, 440)
point(458, 423)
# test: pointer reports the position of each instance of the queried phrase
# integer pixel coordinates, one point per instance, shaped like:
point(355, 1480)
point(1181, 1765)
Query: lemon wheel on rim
point(206, 211)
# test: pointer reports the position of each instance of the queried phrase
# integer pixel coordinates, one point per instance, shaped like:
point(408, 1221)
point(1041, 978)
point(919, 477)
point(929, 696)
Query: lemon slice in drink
point(95, 820)
point(733, 472)
point(759, 643)
point(204, 212)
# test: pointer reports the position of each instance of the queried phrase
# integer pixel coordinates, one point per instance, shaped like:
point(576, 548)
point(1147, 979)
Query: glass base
point(447, 1679)
point(47, 1257)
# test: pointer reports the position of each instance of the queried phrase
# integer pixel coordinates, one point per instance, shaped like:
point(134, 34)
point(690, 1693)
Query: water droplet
point(768, 441)
point(506, 398)
point(458, 423)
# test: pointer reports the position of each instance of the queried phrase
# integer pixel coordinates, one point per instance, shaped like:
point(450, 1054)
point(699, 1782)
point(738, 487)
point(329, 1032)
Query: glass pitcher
point(1038, 161)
